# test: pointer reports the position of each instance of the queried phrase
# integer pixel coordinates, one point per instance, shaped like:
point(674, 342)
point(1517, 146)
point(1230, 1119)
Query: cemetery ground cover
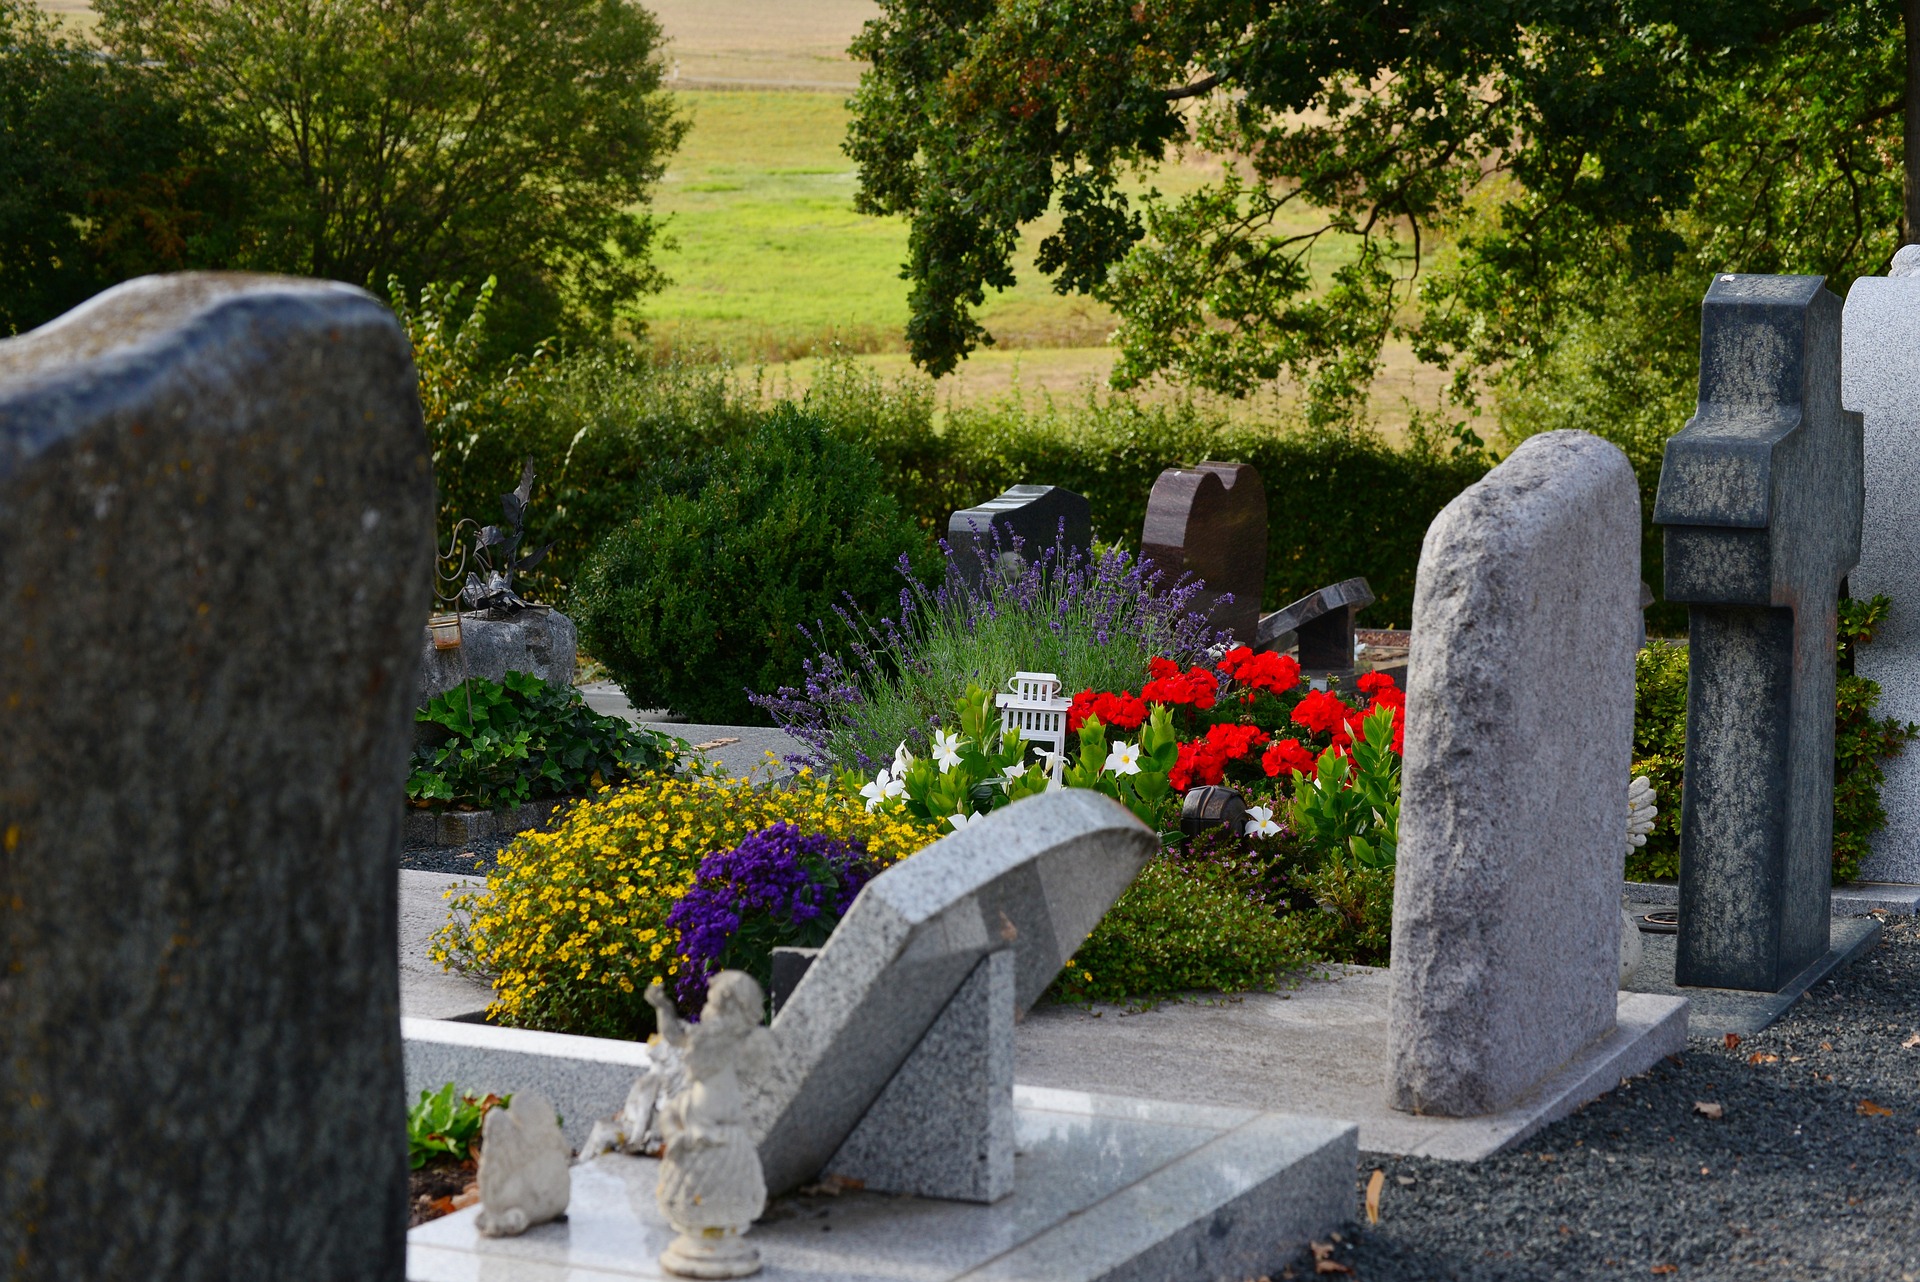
point(1801, 1164)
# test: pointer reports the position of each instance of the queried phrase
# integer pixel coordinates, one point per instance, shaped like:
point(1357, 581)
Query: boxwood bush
point(702, 594)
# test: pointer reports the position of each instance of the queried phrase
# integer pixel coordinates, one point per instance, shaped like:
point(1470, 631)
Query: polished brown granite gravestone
point(1210, 521)
point(216, 506)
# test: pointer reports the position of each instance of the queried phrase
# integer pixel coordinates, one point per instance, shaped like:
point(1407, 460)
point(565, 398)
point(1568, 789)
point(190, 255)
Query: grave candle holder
point(1033, 707)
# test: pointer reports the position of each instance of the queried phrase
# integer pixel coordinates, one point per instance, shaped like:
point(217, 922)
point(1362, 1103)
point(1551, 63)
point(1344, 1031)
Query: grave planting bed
point(1808, 1172)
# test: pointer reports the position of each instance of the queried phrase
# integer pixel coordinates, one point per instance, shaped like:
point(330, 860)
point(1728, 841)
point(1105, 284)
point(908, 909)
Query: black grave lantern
point(1213, 806)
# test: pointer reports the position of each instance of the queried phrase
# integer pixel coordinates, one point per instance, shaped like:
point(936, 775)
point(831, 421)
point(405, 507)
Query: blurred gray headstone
point(1880, 378)
point(852, 1091)
point(1321, 624)
point(1210, 521)
point(1506, 905)
point(216, 501)
point(1760, 496)
point(1021, 525)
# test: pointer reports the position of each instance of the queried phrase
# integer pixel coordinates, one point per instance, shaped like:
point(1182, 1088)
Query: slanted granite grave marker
point(216, 502)
point(1020, 525)
point(1506, 915)
point(1880, 375)
point(1210, 521)
point(1760, 496)
point(1319, 624)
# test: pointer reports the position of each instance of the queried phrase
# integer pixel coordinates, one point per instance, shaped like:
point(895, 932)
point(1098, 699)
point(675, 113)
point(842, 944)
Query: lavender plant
point(1092, 620)
point(779, 887)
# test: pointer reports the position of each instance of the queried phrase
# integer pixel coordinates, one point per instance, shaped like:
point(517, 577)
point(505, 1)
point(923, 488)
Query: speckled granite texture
point(216, 507)
point(1760, 498)
point(943, 1127)
point(1506, 912)
point(1033, 878)
point(1879, 370)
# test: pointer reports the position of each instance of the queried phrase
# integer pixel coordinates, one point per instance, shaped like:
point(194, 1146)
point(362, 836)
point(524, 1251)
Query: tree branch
point(1194, 90)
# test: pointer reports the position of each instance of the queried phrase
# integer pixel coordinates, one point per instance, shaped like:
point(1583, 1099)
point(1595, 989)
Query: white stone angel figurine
point(1640, 812)
point(711, 1186)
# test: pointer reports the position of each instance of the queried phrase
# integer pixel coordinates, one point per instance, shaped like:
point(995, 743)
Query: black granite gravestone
point(1761, 497)
point(1024, 522)
point(216, 504)
point(1210, 521)
point(1320, 624)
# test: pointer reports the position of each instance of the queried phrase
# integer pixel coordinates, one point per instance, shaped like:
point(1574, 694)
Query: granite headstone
point(1210, 521)
point(1760, 496)
point(1032, 880)
point(1506, 918)
point(1880, 373)
point(540, 641)
point(1319, 626)
point(1021, 525)
point(216, 501)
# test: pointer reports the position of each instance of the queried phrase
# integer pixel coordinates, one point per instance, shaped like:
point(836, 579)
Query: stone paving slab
point(743, 751)
point(426, 990)
point(1319, 1050)
point(1717, 1011)
point(1105, 1189)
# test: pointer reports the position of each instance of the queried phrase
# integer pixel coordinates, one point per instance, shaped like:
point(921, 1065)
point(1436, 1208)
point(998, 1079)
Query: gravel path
point(474, 857)
point(1812, 1171)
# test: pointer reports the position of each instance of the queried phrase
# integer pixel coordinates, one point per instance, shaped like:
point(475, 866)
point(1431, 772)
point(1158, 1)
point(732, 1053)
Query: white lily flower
point(1124, 759)
point(876, 791)
point(902, 759)
point(1017, 769)
point(1260, 821)
point(946, 749)
point(896, 787)
point(960, 819)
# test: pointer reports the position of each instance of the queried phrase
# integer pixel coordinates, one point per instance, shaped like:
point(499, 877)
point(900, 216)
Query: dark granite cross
point(1761, 497)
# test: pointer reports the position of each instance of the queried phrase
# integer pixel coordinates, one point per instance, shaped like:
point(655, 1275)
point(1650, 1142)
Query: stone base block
point(464, 827)
point(585, 1077)
point(1730, 1010)
point(1850, 900)
point(1106, 1190)
point(1319, 1050)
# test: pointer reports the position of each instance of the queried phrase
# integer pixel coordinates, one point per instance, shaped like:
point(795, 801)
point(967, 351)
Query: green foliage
point(703, 594)
point(1861, 742)
point(970, 771)
point(1352, 808)
point(1139, 781)
point(430, 141)
point(490, 745)
point(1660, 753)
point(445, 1123)
point(1349, 916)
point(1179, 928)
point(100, 173)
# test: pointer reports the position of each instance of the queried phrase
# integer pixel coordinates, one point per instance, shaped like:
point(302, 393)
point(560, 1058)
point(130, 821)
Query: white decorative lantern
point(1035, 709)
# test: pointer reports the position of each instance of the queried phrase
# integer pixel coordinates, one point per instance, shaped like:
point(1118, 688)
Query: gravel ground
point(474, 857)
point(1811, 1171)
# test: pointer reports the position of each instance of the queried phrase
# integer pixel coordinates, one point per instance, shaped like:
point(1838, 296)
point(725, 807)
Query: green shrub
point(445, 1123)
point(1861, 742)
point(491, 744)
point(1179, 928)
point(703, 594)
point(1348, 913)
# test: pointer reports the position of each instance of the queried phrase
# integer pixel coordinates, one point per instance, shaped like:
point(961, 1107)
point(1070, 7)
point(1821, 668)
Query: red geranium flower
point(1116, 711)
point(1374, 683)
point(1233, 742)
point(1284, 757)
point(1195, 688)
point(1264, 671)
point(1322, 712)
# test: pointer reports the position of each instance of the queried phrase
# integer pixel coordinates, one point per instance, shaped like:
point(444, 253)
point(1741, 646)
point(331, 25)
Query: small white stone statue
point(1640, 816)
point(523, 1167)
point(711, 1186)
point(635, 1129)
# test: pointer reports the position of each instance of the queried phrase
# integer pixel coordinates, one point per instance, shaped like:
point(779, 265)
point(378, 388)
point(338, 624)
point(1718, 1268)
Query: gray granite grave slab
point(540, 641)
point(585, 1077)
point(1716, 1011)
point(1849, 900)
point(1760, 496)
point(1879, 371)
point(1107, 1190)
point(943, 1127)
point(1024, 522)
point(216, 505)
point(1506, 918)
point(1033, 878)
point(1319, 1050)
point(1210, 521)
